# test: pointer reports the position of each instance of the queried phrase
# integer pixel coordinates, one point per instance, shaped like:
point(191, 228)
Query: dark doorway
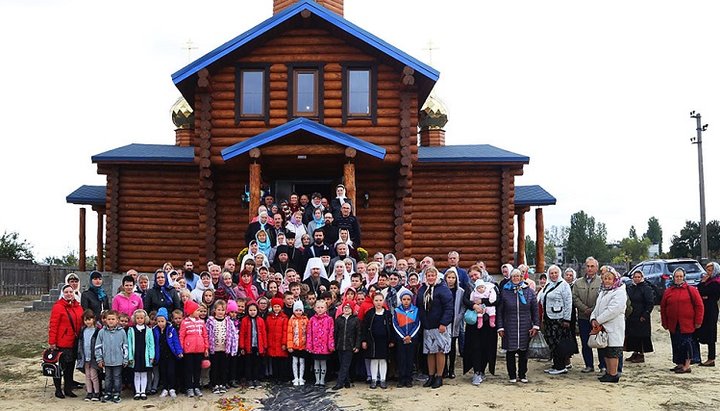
point(283, 188)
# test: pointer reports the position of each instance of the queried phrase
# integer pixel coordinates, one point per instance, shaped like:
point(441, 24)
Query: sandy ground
point(648, 386)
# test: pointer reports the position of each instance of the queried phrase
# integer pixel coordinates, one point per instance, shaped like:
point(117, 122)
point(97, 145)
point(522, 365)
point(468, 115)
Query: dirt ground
point(649, 386)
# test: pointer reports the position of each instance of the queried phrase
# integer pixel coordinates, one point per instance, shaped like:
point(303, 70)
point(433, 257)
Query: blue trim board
point(147, 153)
point(533, 196)
point(87, 195)
point(303, 124)
point(471, 153)
point(319, 11)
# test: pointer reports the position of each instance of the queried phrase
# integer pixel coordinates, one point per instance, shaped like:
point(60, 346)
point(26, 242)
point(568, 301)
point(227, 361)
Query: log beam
point(539, 241)
point(293, 150)
point(81, 251)
point(254, 190)
point(521, 239)
point(100, 258)
point(349, 181)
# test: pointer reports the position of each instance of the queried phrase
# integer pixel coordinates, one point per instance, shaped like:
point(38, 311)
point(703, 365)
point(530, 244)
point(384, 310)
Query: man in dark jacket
point(435, 308)
point(350, 222)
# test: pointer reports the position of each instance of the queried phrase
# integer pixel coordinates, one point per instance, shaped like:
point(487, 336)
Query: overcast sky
point(597, 94)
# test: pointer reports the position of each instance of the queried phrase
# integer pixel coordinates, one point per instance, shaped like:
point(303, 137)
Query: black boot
point(438, 382)
point(430, 381)
point(58, 389)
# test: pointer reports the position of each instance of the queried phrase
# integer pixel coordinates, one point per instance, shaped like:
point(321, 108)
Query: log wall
point(376, 221)
point(232, 218)
point(458, 209)
point(157, 216)
point(308, 46)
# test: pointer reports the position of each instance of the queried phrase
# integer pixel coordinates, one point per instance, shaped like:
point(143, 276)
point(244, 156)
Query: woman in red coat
point(681, 311)
point(63, 332)
point(277, 323)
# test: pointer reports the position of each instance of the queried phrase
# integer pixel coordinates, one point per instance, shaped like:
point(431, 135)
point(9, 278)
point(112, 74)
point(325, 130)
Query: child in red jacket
point(195, 345)
point(277, 324)
point(253, 343)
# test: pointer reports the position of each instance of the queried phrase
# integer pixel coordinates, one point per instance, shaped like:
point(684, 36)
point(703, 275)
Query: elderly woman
point(638, 333)
point(681, 313)
point(517, 321)
point(63, 332)
point(570, 276)
point(296, 226)
point(556, 299)
point(609, 315)
point(73, 280)
point(709, 289)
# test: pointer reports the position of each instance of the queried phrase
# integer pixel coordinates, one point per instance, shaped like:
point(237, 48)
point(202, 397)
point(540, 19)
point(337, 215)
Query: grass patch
point(376, 402)
point(12, 376)
point(18, 298)
point(27, 350)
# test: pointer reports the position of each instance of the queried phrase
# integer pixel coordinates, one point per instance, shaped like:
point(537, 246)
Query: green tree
point(654, 233)
point(586, 238)
point(12, 247)
point(635, 249)
point(557, 235)
point(530, 251)
point(550, 254)
point(687, 244)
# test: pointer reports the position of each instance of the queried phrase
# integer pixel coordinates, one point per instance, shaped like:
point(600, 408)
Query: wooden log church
point(302, 102)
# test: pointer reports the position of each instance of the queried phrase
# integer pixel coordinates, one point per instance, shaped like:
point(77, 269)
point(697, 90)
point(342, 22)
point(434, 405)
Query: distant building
point(653, 250)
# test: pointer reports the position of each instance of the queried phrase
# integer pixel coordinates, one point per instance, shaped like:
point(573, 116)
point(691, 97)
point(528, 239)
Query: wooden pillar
point(100, 258)
point(207, 211)
point(254, 189)
point(81, 250)
point(521, 239)
point(539, 241)
point(349, 176)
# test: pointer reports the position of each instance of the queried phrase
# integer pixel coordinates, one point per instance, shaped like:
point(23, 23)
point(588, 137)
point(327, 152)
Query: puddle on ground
point(307, 397)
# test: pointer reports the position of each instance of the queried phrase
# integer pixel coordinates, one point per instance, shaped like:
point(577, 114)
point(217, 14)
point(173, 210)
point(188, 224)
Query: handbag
point(470, 317)
point(599, 340)
point(538, 347)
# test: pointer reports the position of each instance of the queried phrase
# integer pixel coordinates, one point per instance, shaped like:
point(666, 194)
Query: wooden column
point(521, 238)
point(81, 250)
point(254, 189)
point(403, 192)
point(539, 241)
point(112, 235)
point(349, 176)
point(207, 203)
point(100, 258)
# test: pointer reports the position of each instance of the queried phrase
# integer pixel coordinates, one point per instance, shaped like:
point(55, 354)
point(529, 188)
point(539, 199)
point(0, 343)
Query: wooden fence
point(26, 278)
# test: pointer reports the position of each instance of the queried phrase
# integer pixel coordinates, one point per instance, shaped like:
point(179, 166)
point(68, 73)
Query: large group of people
point(313, 311)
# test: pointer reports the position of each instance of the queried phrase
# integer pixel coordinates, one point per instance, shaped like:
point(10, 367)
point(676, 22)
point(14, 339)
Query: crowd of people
point(314, 312)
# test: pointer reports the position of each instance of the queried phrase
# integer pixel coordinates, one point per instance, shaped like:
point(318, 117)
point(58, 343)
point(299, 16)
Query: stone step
point(39, 305)
point(46, 297)
point(28, 308)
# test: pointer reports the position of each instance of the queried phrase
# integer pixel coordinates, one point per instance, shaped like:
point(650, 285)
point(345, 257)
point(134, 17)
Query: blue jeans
point(587, 352)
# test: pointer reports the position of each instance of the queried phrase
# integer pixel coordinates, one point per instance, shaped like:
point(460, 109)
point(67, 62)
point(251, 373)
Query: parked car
point(658, 273)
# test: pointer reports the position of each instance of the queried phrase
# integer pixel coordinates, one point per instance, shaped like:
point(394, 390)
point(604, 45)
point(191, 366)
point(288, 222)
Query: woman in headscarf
point(63, 332)
point(638, 332)
point(296, 226)
point(264, 243)
point(246, 289)
point(451, 279)
point(480, 350)
point(226, 290)
point(609, 315)
point(681, 313)
point(95, 298)
point(371, 272)
point(262, 223)
point(317, 222)
point(505, 270)
point(517, 322)
point(341, 275)
point(556, 299)
point(570, 276)
point(316, 277)
point(73, 280)
point(162, 294)
point(709, 289)
point(337, 202)
point(344, 237)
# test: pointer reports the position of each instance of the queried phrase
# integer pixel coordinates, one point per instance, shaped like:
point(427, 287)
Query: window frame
point(371, 67)
point(239, 115)
point(318, 70)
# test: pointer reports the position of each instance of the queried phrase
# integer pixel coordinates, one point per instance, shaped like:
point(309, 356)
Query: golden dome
point(433, 115)
point(182, 114)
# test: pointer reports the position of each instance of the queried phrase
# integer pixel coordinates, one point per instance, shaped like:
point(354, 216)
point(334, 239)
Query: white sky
point(598, 94)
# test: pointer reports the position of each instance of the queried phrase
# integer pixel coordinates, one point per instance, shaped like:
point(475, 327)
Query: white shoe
point(547, 370)
point(301, 382)
point(477, 379)
point(173, 394)
point(198, 393)
point(513, 381)
point(557, 372)
point(524, 380)
point(296, 382)
point(164, 394)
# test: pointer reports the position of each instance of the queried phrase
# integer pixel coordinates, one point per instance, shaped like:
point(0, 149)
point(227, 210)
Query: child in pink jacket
point(320, 340)
point(195, 345)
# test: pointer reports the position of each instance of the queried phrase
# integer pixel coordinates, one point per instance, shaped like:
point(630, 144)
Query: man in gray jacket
point(585, 293)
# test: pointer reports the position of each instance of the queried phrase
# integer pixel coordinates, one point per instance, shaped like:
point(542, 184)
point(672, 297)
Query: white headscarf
point(76, 292)
point(346, 276)
point(312, 263)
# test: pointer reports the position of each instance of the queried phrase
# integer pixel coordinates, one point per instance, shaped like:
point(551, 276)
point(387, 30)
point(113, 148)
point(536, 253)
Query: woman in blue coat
point(435, 309)
point(517, 321)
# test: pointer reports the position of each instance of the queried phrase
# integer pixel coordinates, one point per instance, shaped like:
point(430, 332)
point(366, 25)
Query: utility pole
point(703, 227)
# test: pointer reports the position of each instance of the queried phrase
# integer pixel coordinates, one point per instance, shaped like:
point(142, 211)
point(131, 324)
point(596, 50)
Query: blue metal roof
point(303, 124)
point(147, 153)
point(471, 153)
point(533, 196)
point(286, 15)
point(87, 195)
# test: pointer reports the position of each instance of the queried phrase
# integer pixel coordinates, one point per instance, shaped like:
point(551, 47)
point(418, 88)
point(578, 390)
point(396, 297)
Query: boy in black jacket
point(347, 342)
